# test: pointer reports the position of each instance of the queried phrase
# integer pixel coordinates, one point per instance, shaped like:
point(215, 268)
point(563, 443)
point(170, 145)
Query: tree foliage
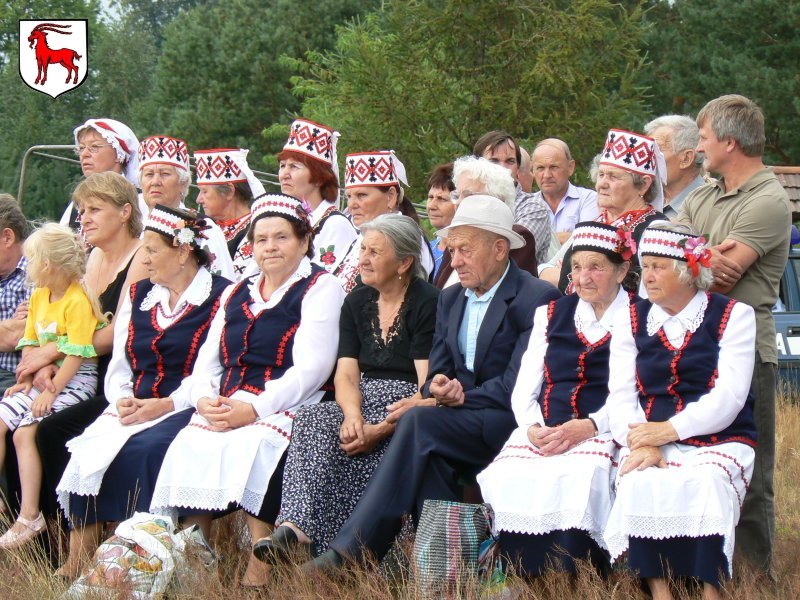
point(701, 49)
point(220, 79)
point(428, 78)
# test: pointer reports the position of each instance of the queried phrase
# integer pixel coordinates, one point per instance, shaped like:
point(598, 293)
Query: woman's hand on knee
point(401, 407)
point(654, 433)
point(643, 458)
point(24, 387)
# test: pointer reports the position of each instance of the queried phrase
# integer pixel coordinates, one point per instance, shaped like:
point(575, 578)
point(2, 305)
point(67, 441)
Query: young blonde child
point(63, 311)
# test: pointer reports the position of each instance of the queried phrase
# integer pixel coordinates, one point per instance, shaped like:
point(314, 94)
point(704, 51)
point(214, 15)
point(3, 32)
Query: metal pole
point(31, 150)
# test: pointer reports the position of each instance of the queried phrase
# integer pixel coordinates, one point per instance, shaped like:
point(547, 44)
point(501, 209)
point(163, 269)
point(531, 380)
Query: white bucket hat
point(487, 213)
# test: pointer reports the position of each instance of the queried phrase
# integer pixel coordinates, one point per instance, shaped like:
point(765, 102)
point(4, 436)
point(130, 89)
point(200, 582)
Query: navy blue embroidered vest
point(670, 378)
point(254, 350)
point(575, 371)
point(161, 358)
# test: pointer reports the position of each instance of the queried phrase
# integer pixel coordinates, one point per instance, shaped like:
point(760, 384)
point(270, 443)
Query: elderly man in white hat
point(482, 330)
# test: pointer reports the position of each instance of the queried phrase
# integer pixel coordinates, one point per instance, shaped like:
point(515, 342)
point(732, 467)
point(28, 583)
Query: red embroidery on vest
point(673, 365)
point(582, 381)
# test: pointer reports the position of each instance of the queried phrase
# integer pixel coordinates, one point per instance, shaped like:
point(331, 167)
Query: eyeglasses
point(93, 149)
point(456, 196)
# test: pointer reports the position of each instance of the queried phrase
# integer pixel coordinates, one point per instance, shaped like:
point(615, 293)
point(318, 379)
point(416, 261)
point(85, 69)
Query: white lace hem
point(556, 521)
point(661, 528)
point(72, 483)
point(167, 498)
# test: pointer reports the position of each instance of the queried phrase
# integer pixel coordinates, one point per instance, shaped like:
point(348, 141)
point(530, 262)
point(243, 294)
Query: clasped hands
point(133, 411)
point(225, 414)
point(644, 440)
point(556, 440)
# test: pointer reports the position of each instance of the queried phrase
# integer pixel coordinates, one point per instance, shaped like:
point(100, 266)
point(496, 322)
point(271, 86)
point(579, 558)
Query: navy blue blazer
point(502, 339)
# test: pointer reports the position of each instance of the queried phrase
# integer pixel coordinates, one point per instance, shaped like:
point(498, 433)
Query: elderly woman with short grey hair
point(385, 335)
point(680, 407)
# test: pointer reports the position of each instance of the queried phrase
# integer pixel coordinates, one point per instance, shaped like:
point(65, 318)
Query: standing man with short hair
point(568, 204)
point(747, 217)
point(678, 136)
point(501, 148)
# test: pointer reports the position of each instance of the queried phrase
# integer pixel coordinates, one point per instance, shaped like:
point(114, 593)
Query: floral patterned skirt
point(321, 484)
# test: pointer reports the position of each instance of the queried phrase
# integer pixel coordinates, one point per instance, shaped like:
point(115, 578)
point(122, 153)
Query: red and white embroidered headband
point(379, 168)
point(225, 165)
point(314, 140)
point(280, 205)
point(163, 150)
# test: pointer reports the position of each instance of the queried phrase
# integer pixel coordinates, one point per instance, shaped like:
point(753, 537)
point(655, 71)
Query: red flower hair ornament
point(626, 245)
point(697, 254)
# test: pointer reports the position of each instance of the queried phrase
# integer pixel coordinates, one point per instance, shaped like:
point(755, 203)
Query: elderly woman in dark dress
point(157, 332)
point(386, 331)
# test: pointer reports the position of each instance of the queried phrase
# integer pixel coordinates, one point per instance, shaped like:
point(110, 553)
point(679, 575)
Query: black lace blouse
point(410, 336)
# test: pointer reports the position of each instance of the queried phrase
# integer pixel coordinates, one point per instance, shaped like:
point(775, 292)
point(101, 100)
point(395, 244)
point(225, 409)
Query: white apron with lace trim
point(700, 493)
point(209, 470)
point(534, 494)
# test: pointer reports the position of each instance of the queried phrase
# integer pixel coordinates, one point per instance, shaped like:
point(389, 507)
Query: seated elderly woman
point(164, 178)
point(158, 331)
point(680, 406)
point(373, 188)
point(270, 350)
point(550, 486)
point(227, 188)
point(385, 336)
point(630, 178)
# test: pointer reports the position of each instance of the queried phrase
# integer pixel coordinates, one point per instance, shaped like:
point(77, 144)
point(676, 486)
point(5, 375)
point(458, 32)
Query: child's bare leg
point(30, 470)
point(3, 432)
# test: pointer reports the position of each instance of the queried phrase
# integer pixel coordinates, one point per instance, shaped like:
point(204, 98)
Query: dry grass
point(30, 575)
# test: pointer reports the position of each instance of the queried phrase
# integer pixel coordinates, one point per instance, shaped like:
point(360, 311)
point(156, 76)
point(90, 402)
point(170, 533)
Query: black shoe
point(278, 547)
point(329, 562)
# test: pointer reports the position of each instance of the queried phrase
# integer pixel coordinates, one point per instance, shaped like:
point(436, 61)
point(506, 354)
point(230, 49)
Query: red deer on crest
point(45, 56)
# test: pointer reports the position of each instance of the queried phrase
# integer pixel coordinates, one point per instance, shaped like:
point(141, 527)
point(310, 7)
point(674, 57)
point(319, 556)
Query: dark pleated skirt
point(129, 482)
point(701, 557)
point(534, 555)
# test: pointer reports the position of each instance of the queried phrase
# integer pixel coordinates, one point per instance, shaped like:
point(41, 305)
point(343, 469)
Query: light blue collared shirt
point(474, 312)
point(578, 205)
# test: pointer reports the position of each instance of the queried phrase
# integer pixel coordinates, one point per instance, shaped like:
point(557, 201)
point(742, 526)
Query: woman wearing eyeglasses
point(105, 145)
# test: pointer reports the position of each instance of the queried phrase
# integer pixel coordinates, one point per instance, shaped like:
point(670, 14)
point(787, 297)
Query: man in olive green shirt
point(747, 218)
